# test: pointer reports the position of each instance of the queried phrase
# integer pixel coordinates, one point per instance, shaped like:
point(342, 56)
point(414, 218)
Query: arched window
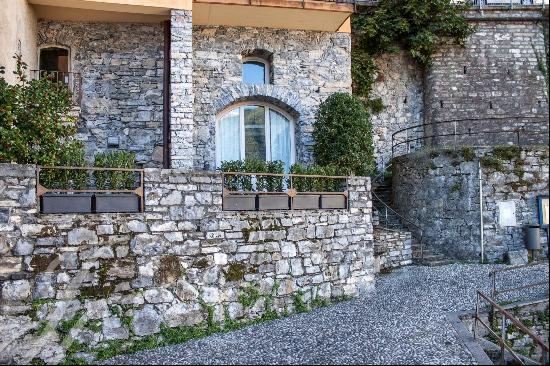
point(255, 131)
point(255, 71)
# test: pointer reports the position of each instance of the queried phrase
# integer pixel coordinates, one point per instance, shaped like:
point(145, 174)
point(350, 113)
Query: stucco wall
point(17, 35)
point(307, 67)
point(439, 189)
point(124, 275)
point(121, 65)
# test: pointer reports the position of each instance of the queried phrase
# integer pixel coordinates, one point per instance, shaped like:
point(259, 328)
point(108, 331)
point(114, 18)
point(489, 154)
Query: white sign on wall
point(507, 213)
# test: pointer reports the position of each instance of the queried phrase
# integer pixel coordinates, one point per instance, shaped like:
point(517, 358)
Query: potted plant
point(115, 180)
point(333, 201)
point(66, 179)
point(275, 198)
point(303, 200)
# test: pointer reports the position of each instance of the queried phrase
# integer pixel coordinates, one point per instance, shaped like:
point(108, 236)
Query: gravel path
point(401, 322)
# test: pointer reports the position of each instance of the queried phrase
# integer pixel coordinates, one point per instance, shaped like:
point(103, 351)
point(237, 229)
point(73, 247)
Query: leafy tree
point(343, 135)
point(35, 126)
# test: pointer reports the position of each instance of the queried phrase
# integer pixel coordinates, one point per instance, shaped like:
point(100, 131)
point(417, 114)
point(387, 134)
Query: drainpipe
point(481, 211)
point(166, 97)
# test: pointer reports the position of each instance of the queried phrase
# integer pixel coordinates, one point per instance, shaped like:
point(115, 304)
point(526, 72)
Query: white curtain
point(280, 138)
point(230, 136)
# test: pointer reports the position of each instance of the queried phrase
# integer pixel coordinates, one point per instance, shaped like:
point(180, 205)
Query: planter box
point(239, 203)
point(116, 202)
point(66, 203)
point(333, 201)
point(306, 202)
point(273, 202)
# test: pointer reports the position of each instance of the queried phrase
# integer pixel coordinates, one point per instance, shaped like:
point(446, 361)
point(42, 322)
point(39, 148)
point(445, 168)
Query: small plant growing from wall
point(343, 135)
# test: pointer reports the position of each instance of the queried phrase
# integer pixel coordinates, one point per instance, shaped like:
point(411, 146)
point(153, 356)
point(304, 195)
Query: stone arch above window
point(257, 67)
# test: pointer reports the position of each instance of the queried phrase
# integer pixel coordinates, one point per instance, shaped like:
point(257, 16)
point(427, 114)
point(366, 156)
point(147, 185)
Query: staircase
point(389, 219)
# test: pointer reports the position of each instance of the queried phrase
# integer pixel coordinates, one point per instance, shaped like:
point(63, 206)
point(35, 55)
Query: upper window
point(255, 132)
point(54, 59)
point(255, 71)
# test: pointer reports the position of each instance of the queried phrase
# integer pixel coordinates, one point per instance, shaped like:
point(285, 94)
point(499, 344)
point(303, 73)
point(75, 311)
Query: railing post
point(454, 123)
point(477, 315)
point(503, 336)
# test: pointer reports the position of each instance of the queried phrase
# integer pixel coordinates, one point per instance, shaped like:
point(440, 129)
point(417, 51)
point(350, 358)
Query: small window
point(54, 59)
point(255, 71)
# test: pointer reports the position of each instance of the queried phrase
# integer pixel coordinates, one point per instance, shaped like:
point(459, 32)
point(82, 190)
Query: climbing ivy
point(417, 26)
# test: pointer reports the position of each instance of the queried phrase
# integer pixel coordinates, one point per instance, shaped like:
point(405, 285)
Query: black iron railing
point(73, 80)
point(521, 130)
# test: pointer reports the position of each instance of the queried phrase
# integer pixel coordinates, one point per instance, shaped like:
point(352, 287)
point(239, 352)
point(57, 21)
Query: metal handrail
point(458, 124)
point(401, 217)
point(493, 275)
point(139, 191)
point(480, 296)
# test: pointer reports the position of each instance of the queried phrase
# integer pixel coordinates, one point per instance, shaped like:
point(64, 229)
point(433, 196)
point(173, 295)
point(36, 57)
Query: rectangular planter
point(306, 202)
point(333, 201)
point(116, 202)
point(239, 203)
point(273, 202)
point(66, 203)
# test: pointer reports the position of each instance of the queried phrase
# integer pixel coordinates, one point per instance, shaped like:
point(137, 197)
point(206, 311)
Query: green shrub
point(35, 126)
point(343, 135)
point(304, 184)
point(105, 179)
point(72, 155)
point(246, 182)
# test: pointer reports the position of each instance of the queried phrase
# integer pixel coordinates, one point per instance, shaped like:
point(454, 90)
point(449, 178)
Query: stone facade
point(121, 65)
point(494, 78)
point(392, 249)
point(399, 85)
point(126, 274)
point(440, 190)
point(307, 67)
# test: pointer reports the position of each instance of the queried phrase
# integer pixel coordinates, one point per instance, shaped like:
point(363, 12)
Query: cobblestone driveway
point(402, 322)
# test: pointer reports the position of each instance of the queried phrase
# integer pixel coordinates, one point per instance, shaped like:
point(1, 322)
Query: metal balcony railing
point(73, 80)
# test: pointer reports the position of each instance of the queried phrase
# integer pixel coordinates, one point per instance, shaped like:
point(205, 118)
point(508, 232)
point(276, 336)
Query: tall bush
point(35, 126)
point(343, 135)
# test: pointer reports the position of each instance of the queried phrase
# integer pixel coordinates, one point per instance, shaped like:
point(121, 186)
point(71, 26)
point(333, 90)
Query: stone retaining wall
point(123, 276)
point(440, 190)
point(392, 249)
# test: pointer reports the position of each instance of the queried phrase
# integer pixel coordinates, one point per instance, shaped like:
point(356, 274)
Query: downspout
point(166, 97)
point(481, 213)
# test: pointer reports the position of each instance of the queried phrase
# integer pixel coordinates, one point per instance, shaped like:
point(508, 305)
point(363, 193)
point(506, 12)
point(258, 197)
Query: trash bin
point(532, 237)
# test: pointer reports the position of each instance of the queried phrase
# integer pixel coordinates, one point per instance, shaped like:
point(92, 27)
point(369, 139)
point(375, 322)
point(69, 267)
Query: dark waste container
point(532, 237)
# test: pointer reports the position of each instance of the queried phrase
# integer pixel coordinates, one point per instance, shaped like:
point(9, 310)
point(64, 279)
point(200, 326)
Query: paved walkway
point(402, 322)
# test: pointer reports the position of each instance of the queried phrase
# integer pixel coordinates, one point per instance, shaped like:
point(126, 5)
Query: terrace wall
point(123, 275)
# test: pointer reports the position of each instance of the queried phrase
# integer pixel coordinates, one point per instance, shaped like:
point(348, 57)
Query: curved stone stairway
point(389, 219)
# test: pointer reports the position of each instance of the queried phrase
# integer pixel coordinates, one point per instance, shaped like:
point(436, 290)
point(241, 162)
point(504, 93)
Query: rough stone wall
point(392, 249)
point(121, 66)
point(182, 126)
point(399, 85)
point(307, 67)
point(496, 75)
point(440, 190)
point(126, 274)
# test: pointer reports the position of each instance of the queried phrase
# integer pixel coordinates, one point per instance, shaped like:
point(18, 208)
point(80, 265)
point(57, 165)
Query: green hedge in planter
point(316, 184)
point(105, 180)
point(71, 155)
point(246, 182)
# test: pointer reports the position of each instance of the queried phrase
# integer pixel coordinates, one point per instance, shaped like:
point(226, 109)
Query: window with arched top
point(256, 70)
point(255, 131)
point(54, 59)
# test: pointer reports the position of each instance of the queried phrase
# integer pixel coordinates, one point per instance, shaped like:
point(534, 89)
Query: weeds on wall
point(418, 26)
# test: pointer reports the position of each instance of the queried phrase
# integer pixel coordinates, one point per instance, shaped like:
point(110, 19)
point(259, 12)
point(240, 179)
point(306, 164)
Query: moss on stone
point(235, 272)
point(468, 153)
point(492, 163)
point(507, 153)
point(201, 263)
point(169, 270)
